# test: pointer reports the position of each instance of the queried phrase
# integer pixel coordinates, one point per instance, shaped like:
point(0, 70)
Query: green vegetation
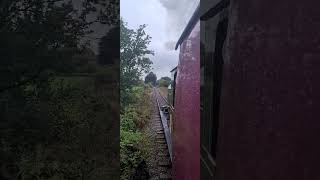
point(164, 82)
point(134, 99)
point(61, 130)
point(133, 60)
point(151, 78)
point(58, 107)
point(133, 144)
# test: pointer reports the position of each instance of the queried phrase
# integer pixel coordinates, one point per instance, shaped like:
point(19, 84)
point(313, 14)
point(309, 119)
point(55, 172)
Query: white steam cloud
point(178, 14)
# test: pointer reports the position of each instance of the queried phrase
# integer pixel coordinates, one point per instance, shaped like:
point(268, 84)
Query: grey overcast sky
point(165, 21)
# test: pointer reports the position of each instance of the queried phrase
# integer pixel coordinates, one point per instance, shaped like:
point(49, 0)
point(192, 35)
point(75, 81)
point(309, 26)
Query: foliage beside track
point(133, 144)
point(164, 82)
point(134, 97)
point(59, 130)
point(58, 107)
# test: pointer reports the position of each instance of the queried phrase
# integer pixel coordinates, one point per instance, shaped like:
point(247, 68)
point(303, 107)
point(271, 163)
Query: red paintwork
point(186, 124)
point(270, 103)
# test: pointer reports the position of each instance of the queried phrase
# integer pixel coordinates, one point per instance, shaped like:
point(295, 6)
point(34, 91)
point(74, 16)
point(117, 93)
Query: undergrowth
point(133, 117)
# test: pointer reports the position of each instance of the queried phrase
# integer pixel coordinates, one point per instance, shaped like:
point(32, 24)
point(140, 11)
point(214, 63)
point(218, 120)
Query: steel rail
point(165, 100)
point(164, 125)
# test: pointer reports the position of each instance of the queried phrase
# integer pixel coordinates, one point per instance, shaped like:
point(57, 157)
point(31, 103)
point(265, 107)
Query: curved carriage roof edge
point(174, 69)
point(220, 5)
point(197, 16)
point(192, 22)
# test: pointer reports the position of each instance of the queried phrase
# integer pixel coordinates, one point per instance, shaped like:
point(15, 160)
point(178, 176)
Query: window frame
point(207, 63)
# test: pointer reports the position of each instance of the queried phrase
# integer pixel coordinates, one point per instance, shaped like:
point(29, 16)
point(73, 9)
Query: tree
point(151, 78)
point(41, 36)
point(166, 78)
point(164, 82)
point(133, 54)
point(49, 118)
point(109, 47)
point(134, 60)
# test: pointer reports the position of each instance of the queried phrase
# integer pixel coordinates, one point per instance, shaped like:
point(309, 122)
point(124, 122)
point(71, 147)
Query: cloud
point(166, 20)
point(164, 62)
point(178, 14)
point(170, 45)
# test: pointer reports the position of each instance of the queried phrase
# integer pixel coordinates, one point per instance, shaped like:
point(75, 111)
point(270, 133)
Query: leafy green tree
point(164, 82)
point(134, 60)
point(166, 78)
point(151, 78)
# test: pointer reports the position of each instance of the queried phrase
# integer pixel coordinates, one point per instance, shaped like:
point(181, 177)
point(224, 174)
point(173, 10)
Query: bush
point(163, 83)
point(59, 131)
point(131, 96)
point(133, 146)
point(131, 155)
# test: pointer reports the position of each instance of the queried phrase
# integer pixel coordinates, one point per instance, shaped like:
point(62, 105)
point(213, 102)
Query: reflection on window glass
point(213, 34)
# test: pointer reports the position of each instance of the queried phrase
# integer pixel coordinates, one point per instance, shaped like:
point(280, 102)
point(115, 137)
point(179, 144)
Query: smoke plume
point(178, 14)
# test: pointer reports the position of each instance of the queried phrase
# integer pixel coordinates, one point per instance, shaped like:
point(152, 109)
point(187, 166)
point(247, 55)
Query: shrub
point(133, 146)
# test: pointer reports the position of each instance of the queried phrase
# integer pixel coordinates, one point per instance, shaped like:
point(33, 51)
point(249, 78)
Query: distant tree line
point(164, 81)
point(151, 78)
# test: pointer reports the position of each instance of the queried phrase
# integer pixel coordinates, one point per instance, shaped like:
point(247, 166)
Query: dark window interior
point(174, 88)
point(213, 34)
point(212, 43)
point(217, 80)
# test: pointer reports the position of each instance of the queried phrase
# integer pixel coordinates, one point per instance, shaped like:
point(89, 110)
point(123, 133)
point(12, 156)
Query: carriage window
point(213, 39)
point(217, 67)
point(174, 88)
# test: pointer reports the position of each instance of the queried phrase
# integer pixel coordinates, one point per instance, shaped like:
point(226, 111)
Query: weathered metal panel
point(186, 125)
point(270, 106)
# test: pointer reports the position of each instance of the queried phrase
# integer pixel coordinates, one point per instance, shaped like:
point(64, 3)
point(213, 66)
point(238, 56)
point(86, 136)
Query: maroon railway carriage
point(186, 91)
point(260, 92)
point(269, 106)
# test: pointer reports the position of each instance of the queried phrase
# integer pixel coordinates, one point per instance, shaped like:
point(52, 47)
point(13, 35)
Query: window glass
point(213, 34)
point(217, 67)
point(174, 88)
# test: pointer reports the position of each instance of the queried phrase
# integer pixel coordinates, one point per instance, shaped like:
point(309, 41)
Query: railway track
point(163, 144)
point(161, 101)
